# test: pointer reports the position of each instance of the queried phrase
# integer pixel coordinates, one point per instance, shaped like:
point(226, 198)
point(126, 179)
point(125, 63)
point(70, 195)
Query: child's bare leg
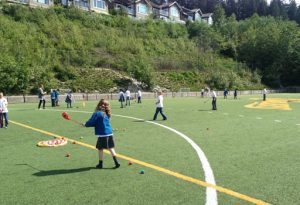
point(114, 155)
point(112, 152)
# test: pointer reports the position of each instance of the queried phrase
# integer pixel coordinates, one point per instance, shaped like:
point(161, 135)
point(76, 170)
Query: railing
point(115, 96)
point(19, 1)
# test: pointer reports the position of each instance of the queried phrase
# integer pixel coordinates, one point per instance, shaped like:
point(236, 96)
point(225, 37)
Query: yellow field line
point(157, 168)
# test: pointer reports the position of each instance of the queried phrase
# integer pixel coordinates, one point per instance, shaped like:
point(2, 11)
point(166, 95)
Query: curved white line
point(211, 194)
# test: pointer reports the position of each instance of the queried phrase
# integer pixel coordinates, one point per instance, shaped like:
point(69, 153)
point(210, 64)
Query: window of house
point(174, 12)
point(130, 9)
point(164, 12)
point(99, 4)
point(142, 8)
point(42, 1)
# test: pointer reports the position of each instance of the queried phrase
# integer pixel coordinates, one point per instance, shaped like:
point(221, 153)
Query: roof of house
point(207, 15)
point(191, 11)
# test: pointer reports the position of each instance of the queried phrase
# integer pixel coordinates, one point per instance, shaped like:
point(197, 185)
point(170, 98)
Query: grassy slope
point(255, 157)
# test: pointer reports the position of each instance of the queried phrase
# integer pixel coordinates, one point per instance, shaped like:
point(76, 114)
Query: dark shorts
point(105, 142)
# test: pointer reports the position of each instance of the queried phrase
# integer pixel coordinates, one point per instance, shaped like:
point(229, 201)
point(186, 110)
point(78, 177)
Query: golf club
point(206, 101)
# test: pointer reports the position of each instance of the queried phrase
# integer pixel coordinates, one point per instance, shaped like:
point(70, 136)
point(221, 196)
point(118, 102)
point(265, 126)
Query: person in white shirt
point(264, 94)
point(3, 111)
point(127, 93)
point(139, 96)
point(159, 106)
point(202, 92)
point(214, 100)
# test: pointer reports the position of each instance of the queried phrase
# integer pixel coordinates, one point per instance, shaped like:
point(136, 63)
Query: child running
point(103, 130)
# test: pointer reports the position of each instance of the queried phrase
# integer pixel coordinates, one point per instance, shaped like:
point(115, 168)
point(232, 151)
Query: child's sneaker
point(99, 166)
point(117, 166)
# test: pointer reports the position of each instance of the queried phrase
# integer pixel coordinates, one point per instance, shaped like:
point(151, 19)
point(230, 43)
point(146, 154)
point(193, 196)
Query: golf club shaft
point(79, 123)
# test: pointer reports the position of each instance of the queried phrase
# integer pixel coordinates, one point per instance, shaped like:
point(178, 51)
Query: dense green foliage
point(61, 47)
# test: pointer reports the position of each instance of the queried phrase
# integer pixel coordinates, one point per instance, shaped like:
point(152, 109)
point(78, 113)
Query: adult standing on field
point(159, 106)
point(127, 94)
point(264, 94)
point(3, 111)
point(41, 95)
point(214, 100)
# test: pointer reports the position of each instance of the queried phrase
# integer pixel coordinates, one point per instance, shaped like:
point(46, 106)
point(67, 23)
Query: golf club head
point(66, 116)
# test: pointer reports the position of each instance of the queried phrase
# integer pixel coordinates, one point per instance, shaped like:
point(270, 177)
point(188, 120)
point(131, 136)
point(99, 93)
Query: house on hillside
point(197, 15)
point(98, 6)
point(134, 8)
point(169, 12)
point(192, 15)
point(33, 3)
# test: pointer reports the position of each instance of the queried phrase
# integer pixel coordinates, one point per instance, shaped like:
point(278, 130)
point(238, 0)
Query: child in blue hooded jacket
point(100, 120)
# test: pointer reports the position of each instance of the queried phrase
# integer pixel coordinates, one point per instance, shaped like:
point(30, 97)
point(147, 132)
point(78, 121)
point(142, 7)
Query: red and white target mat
point(52, 143)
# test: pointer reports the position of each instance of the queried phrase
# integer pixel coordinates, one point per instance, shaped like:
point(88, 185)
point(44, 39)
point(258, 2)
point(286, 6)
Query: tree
point(277, 9)
point(298, 15)
point(292, 10)
point(219, 17)
point(262, 7)
point(231, 7)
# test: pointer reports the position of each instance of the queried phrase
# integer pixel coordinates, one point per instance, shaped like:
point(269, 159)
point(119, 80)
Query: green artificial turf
point(251, 151)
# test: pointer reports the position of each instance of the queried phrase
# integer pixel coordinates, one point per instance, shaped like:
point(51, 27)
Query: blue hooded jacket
point(101, 122)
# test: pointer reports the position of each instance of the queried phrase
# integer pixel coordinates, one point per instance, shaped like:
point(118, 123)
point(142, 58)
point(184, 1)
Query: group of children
point(100, 119)
point(126, 97)
point(54, 95)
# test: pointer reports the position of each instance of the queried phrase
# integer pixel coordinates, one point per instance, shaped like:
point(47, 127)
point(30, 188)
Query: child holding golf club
point(100, 120)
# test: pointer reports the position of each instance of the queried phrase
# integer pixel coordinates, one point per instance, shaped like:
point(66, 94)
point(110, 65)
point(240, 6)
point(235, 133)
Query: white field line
point(277, 120)
point(258, 118)
point(297, 124)
point(241, 115)
point(211, 194)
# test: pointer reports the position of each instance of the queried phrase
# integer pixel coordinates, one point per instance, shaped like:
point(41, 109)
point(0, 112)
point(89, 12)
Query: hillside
point(61, 47)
